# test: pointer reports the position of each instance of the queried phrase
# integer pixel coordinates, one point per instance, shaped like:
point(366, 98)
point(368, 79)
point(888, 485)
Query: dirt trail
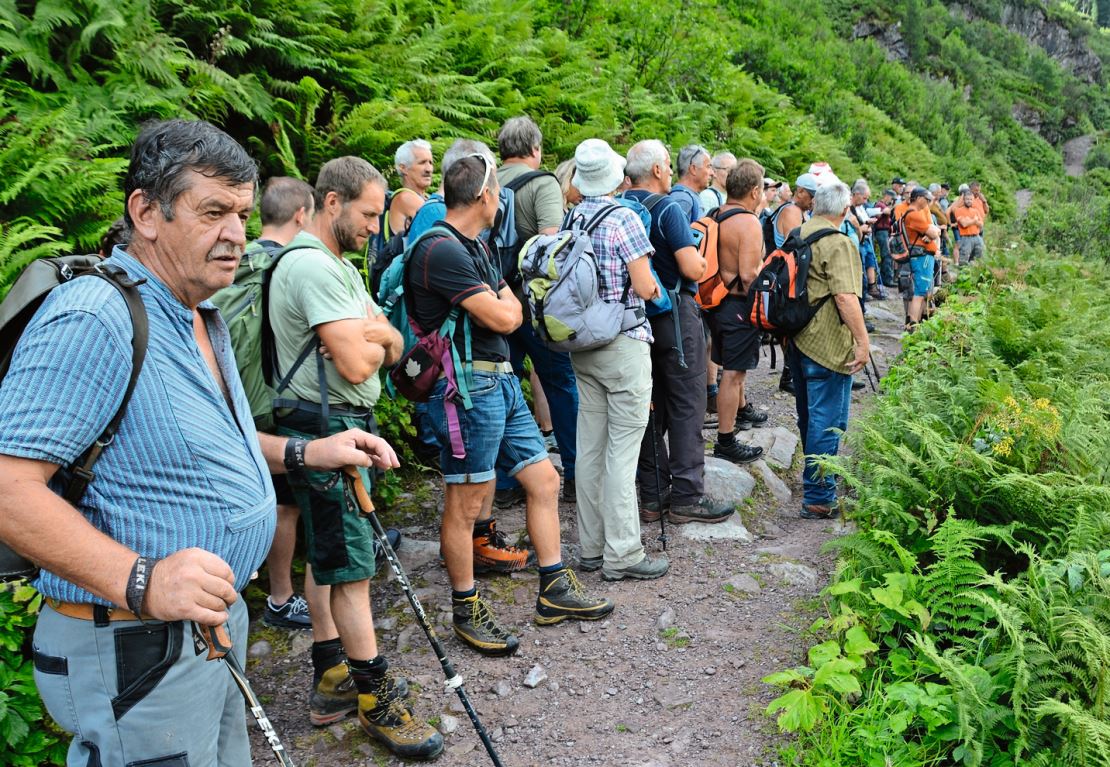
point(672, 678)
point(1075, 154)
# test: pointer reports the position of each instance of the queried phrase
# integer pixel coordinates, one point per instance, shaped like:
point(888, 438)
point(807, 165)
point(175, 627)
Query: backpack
point(245, 306)
point(18, 307)
point(508, 248)
point(561, 284)
point(778, 298)
point(381, 251)
point(711, 288)
point(770, 221)
point(667, 299)
point(899, 249)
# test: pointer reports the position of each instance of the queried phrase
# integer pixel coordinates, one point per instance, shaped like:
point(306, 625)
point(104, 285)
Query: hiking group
point(248, 374)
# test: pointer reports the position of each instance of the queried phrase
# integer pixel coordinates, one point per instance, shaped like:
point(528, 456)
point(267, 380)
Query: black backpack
point(769, 223)
point(508, 255)
point(778, 299)
point(18, 307)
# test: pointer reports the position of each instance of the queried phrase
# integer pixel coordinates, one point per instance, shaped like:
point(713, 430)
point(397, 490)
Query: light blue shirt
point(184, 469)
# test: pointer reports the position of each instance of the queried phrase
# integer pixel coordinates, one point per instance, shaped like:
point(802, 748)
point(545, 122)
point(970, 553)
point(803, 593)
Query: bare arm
point(643, 283)
point(499, 312)
point(356, 358)
point(402, 208)
point(690, 263)
point(848, 306)
point(380, 331)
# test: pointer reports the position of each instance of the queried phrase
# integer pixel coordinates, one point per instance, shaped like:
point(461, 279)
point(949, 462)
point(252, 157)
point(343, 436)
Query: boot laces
point(498, 540)
point(482, 618)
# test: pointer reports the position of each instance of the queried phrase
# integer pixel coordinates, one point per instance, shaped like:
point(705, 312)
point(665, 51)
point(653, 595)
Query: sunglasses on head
point(485, 178)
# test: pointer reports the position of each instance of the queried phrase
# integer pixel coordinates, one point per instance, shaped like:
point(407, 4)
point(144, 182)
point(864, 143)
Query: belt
point(90, 612)
point(314, 407)
point(484, 366)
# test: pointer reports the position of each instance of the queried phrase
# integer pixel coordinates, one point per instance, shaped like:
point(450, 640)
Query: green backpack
point(244, 305)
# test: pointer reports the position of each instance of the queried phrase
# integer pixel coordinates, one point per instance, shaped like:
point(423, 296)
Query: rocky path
point(672, 678)
point(1075, 154)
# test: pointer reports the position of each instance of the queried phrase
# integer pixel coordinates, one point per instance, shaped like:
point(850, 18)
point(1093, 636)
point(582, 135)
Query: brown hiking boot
point(475, 624)
point(335, 695)
point(493, 554)
point(562, 596)
point(393, 724)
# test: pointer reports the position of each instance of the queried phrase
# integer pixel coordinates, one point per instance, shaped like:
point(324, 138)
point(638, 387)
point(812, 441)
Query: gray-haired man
point(694, 173)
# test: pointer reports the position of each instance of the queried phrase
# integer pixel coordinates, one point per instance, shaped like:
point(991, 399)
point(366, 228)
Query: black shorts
point(735, 342)
point(282, 490)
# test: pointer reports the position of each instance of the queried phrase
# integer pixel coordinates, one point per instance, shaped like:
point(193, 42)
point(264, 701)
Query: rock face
point(888, 37)
point(1032, 23)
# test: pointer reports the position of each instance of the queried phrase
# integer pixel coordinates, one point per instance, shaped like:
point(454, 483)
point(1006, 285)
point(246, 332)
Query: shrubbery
point(969, 618)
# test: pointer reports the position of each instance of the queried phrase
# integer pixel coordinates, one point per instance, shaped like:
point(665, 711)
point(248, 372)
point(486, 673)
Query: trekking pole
point(658, 481)
point(870, 380)
point(217, 641)
point(453, 680)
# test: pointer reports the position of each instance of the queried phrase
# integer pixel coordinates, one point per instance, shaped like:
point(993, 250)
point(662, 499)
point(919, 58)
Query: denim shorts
point(922, 268)
point(499, 432)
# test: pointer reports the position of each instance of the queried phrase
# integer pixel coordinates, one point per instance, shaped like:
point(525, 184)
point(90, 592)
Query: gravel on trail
point(671, 678)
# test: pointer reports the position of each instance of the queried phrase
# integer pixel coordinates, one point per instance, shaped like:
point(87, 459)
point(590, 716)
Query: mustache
point(223, 250)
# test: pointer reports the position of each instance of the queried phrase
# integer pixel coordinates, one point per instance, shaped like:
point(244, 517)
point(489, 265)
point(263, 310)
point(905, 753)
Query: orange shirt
point(959, 210)
point(977, 203)
point(917, 223)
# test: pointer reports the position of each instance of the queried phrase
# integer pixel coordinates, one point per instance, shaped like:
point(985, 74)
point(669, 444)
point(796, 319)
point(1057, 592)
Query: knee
point(541, 482)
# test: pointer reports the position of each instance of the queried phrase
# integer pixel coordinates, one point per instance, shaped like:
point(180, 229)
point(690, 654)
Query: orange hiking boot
point(494, 554)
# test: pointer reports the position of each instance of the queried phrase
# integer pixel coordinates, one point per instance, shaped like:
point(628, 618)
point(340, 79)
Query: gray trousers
point(134, 694)
point(614, 391)
point(679, 396)
point(971, 248)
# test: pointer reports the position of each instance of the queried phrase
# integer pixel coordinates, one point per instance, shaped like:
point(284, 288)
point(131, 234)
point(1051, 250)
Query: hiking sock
point(547, 433)
point(712, 391)
point(549, 573)
point(482, 527)
point(464, 594)
point(725, 438)
point(368, 673)
point(325, 655)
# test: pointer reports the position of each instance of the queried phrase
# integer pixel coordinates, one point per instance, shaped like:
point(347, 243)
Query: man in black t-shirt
point(454, 270)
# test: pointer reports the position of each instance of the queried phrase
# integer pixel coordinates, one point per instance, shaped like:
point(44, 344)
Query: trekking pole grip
point(361, 495)
point(218, 640)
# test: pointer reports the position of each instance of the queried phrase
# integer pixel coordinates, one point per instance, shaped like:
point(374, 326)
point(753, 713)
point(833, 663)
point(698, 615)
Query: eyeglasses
point(485, 178)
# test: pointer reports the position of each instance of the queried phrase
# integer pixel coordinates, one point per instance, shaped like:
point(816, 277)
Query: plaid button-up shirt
point(618, 239)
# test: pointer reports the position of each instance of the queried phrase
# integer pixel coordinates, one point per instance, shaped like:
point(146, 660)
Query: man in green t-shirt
point(317, 293)
point(830, 349)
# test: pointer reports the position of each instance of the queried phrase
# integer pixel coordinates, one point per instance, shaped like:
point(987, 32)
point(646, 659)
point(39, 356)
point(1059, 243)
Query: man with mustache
point(181, 509)
point(317, 294)
point(415, 166)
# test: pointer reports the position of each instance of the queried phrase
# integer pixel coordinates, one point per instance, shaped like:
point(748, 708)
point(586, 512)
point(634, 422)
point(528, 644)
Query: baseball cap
point(945, 185)
point(770, 183)
point(896, 180)
point(920, 192)
point(807, 181)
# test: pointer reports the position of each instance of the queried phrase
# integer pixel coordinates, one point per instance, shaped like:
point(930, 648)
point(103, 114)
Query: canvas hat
point(964, 188)
point(807, 181)
point(598, 169)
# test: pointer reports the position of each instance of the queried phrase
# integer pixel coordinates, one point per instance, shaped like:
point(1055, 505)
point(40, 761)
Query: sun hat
point(598, 169)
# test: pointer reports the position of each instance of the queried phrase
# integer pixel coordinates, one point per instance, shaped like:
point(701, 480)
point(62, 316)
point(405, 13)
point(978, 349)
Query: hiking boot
point(590, 564)
point(818, 511)
point(550, 442)
point(570, 491)
point(858, 385)
point(393, 535)
point(476, 625)
point(291, 615)
point(737, 452)
point(493, 554)
point(335, 695)
point(563, 597)
point(647, 569)
point(651, 511)
point(751, 417)
point(392, 723)
point(869, 326)
point(876, 291)
point(703, 511)
point(509, 497)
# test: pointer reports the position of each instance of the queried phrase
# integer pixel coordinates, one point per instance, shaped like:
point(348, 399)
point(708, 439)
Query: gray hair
point(519, 137)
point(462, 182)
point(831, 199)
point(861, 186)
point(460, 149)
point(347, 177)
point(405, 154)
point(721, 158)
point(642, 157)
point(934, 188)
point(164, 153)
point(689, 155)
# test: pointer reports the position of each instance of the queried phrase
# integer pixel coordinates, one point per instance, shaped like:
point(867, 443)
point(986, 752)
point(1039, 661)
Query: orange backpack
point(712, 288)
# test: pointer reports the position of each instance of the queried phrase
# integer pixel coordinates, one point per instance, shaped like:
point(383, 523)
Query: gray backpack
point(561, 282)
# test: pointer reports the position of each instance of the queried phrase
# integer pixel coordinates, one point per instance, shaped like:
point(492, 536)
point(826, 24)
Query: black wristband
point(137, 583)
point(294, 454)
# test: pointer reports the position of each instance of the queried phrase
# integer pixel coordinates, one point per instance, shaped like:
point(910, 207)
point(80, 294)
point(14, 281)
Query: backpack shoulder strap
point(652, 200)
point(80, 475)
point(524, 179)
point(821, 234)
point(721, 217)
point(594, 222)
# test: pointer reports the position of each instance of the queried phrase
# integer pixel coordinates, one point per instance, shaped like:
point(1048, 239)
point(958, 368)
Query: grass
point(673, 640)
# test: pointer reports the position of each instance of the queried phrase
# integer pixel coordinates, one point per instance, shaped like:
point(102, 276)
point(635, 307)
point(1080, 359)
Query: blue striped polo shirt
point(184, 470)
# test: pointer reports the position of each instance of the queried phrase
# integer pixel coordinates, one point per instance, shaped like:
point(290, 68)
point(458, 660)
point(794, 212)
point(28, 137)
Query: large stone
point(795, 574)
point(536, 677)
point(416, 554)
point(777, 487)
point(744, 583)
point(300, 642)
point(727, 483)
point(260, 649)
point(876, 312)
point(782, 450)
point(448, 724)
point(732, 529)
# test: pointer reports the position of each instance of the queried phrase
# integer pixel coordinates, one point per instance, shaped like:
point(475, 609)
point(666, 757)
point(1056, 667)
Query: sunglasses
point(485, 178)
